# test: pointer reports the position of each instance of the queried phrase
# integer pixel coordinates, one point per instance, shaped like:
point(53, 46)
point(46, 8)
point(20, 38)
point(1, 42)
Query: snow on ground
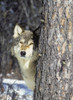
point(15, 90)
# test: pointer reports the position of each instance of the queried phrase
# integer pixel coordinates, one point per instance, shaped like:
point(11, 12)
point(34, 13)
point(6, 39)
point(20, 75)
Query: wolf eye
point(21, 42)
point(23, 53)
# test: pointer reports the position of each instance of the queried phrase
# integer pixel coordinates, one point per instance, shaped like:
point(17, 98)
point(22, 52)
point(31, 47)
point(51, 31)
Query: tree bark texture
point(54, 75)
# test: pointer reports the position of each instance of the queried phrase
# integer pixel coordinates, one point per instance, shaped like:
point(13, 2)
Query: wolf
point(26, 53)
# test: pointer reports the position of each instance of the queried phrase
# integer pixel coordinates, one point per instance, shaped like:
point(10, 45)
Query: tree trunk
point(54, 75)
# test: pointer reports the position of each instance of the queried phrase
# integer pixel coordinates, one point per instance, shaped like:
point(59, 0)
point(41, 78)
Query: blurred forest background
point(23, 12)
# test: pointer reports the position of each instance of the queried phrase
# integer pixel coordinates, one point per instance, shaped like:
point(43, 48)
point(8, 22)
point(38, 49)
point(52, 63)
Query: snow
point(15, 90)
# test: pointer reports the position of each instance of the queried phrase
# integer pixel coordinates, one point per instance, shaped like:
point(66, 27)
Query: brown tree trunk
point(54, 75)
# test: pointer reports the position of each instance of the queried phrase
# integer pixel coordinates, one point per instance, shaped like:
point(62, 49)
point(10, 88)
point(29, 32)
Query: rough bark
point(54, 75)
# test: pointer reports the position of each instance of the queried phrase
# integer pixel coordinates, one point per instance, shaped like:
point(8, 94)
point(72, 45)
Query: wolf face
point(24, 49)
point(25, 46)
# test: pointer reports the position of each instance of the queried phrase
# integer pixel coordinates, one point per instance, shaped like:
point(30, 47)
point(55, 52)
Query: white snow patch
point(13, 81)
point(15, 89)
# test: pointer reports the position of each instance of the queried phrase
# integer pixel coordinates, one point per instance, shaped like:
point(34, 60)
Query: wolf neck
point(25, 63)
point(27, 69)
point(28, 72)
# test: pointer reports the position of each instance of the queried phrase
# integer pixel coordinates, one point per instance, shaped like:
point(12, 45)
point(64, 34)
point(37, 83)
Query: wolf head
point(24, 48)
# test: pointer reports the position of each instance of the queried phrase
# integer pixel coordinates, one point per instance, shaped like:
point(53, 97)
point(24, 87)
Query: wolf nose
point(23, 53)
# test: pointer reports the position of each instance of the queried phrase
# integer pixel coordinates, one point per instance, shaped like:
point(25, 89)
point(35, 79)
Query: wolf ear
point(17, 31)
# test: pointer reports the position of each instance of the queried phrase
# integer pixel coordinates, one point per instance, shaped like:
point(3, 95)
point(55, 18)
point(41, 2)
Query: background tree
point(54, 75)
